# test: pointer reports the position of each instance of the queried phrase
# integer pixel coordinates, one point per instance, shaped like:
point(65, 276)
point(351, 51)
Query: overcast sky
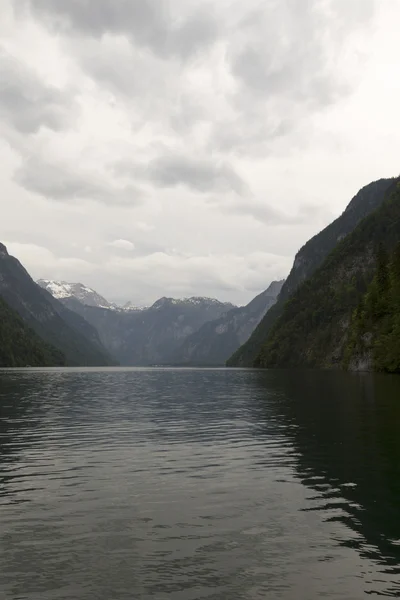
point(188, 147)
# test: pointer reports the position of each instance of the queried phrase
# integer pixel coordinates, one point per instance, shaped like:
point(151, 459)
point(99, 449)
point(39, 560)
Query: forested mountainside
point(20, 346)
point(346, 314)
point(52, 321)
point(152, 335)
point(216, 340)
point(373, 340)
point(309, 258)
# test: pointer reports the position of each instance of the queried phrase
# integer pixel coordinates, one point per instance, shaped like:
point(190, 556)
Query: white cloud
point(41, 262)
point(224, 275)
point(140, 278)
point(142, 226)
point(122, 245)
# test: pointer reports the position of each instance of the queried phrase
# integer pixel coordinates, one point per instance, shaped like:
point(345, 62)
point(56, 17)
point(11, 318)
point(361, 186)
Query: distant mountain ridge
point(140, 336)
point(62, 290)
point(308, 259)
point(215, 341)
point(48, 317)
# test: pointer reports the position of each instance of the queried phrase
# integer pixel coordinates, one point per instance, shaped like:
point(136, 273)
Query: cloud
point(57, 181)
point(220, 273)
point(225, 131)
point(143, 226)
point(41, 262)
point(27, 102)
point(122, 245)
point(264, 212)
point(163, 27)
point(284, 59)
point(198, 174)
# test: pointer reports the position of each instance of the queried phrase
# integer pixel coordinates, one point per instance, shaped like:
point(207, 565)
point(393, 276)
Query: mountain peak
point(215, 341)
point(3, 250)
point(86, 295)
point(130, 307)
point(192, 300)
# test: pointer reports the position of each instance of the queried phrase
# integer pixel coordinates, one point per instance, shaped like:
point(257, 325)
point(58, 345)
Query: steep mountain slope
point(216, 340)
point(21, 346)
point(373, 341)
point(309, 258)
point(152, 335)
point(63, 289)
point(50, 319)
point(314, 329)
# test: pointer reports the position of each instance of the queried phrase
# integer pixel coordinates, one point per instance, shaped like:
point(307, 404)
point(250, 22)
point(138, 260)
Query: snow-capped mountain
point(86, 295)
point(202, 301)
point(130, 307)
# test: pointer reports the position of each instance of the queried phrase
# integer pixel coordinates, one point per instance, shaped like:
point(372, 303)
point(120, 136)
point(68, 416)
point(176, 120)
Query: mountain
point(373, 340)
point(346, 314)
point(63, 289)
point(309, 258)
point(21, 346)
point(149, 335)
point(48, 317)
point(216, 340)
point(130, 306)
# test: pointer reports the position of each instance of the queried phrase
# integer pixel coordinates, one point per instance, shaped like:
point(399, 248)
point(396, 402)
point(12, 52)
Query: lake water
point(185, 484)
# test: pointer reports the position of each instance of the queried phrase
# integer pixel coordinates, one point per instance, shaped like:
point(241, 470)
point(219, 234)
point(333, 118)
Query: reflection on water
point(189, 484)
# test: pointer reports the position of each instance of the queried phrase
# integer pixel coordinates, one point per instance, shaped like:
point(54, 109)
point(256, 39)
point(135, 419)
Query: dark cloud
point(150, 23)
point(27, 102)
point(59, 182)
point(199, 174)
point(203, 175)
point(271, 215)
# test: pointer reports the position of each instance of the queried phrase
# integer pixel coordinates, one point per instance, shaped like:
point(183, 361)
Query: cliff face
point(309, 258)
point(331, 319)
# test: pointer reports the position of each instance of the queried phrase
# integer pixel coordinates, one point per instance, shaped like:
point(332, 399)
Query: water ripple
point(186, 484)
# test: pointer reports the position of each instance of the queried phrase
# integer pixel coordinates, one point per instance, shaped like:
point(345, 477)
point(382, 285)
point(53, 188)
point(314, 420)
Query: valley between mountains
point(338, 308)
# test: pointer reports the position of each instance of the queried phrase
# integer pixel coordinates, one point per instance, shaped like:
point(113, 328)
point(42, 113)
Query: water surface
point(183, 484)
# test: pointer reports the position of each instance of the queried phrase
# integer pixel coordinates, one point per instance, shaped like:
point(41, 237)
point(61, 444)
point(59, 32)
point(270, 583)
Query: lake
point(198, 483)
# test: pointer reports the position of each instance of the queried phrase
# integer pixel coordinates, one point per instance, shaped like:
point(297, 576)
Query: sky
point(156, 148)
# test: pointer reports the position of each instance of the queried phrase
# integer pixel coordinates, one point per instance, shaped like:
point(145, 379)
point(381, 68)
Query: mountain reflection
point(344, 429)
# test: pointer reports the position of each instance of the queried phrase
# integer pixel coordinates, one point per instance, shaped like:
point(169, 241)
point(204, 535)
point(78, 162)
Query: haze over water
point(185, 484)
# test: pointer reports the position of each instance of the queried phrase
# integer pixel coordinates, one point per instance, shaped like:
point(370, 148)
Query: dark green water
point(186, 484)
